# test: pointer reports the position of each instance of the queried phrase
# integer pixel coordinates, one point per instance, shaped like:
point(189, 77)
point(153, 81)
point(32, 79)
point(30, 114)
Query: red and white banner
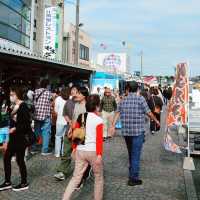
point(150, 80)
point(177, 108)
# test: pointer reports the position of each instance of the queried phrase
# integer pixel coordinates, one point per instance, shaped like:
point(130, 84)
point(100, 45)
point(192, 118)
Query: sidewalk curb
point(189, 186)
point(189, 183)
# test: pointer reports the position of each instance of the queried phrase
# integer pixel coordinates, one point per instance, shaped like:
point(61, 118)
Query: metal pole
point(77, 33)
point(141, 70)
point(188, 110)
point(141, 67)
point(63, 57)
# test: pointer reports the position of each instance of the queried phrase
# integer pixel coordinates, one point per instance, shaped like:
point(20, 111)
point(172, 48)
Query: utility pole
point(141, 65)
point(77, 33)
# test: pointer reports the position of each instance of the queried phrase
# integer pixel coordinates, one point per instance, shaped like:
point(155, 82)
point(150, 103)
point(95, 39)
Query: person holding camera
point(89, 151)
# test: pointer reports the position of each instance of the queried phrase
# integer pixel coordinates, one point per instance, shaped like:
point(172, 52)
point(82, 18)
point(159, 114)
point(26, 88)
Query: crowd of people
point(46, 121)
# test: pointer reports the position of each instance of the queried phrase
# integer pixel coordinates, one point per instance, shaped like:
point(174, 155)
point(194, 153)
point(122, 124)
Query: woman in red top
point(89, 153)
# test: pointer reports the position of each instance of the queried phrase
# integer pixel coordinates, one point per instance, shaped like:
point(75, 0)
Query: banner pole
point(188, 111)
point(188, 163)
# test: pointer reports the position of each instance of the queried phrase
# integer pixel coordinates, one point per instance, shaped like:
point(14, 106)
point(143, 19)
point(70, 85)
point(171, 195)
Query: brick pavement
point(161, 172)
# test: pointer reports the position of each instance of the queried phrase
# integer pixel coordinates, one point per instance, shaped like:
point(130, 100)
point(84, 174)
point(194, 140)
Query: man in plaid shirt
point(132, 111)
point(42, 115)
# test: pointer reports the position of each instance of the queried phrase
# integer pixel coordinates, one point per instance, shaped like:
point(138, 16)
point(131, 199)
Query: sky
point(168, 32)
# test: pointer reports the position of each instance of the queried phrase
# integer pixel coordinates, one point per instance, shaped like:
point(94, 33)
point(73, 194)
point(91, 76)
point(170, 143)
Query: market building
point(31, 44)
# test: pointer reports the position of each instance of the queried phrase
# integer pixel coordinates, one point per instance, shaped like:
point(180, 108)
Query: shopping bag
point(4, 135)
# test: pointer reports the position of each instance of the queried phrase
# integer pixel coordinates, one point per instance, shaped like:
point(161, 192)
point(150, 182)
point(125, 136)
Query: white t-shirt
point(59, 105)
point(92, 122)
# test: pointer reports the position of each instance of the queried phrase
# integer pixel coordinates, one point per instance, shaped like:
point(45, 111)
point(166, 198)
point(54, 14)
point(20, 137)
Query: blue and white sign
point(101, 80)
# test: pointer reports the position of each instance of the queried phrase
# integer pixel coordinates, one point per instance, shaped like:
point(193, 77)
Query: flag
point(129, 46)
point(177, 108)
point(103, 46)
point(150, 80)
point(123, 43)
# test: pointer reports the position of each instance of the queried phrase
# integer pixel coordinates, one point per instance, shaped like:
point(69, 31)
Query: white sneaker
point(46, 153)
point(59, 176)
point(57, 155)
point(13, 159)
point(21, 187)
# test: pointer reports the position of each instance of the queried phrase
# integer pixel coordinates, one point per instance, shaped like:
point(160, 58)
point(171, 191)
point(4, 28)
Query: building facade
point(85, 44)
point(37, 27)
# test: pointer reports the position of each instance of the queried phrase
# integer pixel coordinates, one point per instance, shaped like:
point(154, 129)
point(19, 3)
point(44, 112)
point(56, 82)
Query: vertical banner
point(49, 47)
point(178, 106)
point(177, 109)
point(58, 24)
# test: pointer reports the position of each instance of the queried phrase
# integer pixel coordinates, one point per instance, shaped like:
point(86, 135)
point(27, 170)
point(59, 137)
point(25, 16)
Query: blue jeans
point(59, 144)
point(134, 145)
point(43, 128)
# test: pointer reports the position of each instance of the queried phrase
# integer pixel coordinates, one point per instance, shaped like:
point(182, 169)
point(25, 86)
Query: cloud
point(167, 31)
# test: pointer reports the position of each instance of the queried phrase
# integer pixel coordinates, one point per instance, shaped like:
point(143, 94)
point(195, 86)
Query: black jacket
point(155, 101)
point(22, 125)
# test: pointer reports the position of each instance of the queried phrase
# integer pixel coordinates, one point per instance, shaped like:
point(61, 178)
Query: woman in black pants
point(17, 143)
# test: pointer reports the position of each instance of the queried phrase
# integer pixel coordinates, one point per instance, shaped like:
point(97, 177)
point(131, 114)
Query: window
point(25, 40)
point(20, 6)
point(15, 21)
point(14, 4)
point(25, 27)
point(26, 13)
point(84, 52)
point(10, 17)
point(34, 35)
point(35, 23)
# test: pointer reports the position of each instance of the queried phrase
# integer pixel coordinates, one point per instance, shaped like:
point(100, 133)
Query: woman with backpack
point(90, 151)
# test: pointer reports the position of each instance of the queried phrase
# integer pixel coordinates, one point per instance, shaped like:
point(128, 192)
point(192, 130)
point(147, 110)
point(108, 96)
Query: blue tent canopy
point(103, 75)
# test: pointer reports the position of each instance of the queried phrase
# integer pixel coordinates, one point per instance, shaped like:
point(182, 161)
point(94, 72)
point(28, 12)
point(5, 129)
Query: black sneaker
point(134, 182)
point(5, 186)
point(20, 187)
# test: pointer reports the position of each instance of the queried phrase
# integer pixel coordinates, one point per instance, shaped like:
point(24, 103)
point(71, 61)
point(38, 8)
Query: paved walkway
point(161, 173)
